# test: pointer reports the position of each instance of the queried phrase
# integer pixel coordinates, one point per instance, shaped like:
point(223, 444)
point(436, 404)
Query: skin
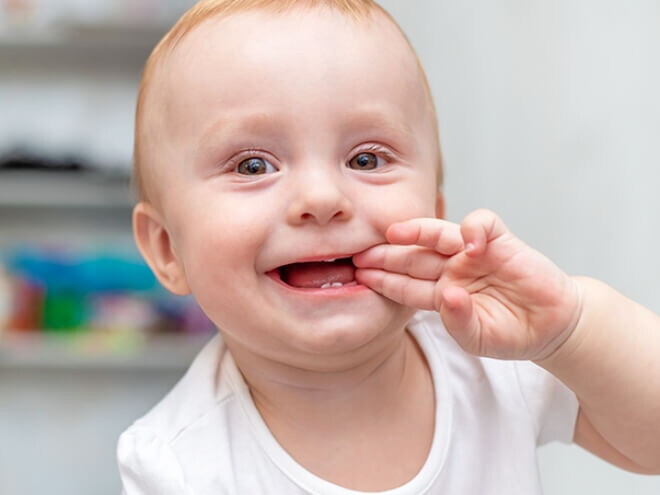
point(326, 361)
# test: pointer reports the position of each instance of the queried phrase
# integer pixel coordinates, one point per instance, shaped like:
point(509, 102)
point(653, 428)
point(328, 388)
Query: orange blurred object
point(26, 305)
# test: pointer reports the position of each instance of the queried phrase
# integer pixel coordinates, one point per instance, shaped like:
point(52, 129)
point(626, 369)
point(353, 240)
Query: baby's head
point(273, 137)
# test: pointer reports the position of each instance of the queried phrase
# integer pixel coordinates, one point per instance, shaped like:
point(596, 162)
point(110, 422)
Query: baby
point(289, 169)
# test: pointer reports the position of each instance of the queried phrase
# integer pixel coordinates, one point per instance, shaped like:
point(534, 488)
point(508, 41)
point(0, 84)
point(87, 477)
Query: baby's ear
point(155, 244)
point(440, 206)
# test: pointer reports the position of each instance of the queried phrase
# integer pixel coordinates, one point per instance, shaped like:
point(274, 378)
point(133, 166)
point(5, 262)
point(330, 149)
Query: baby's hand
point(497, 296)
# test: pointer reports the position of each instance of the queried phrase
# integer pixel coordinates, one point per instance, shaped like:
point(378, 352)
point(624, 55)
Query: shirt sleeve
point(147, 465)
point(552, 405)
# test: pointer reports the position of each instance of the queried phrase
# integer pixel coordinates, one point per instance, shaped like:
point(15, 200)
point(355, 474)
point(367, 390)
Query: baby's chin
point(336, 336)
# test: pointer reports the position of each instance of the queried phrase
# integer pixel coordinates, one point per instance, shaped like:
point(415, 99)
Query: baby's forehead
point(246, 41)
point(317, 26)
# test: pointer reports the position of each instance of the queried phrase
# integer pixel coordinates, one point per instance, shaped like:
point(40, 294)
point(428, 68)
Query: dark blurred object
point(21, 160)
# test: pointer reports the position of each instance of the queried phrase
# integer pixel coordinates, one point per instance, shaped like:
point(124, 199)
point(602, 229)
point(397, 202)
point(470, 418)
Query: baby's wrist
point(570, 339)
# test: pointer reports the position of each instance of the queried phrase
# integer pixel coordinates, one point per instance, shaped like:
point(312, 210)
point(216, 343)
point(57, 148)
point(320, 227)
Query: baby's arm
point(612, 363)
point(500, 298)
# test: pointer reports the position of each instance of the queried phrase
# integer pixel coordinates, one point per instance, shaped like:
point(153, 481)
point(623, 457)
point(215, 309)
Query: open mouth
point(317, 274)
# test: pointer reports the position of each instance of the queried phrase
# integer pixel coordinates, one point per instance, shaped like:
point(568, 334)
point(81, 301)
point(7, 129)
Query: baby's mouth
point(318, 274)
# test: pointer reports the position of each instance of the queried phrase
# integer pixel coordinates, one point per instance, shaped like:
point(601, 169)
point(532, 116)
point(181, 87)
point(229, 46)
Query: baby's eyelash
point(378, 149)
point(235, 160)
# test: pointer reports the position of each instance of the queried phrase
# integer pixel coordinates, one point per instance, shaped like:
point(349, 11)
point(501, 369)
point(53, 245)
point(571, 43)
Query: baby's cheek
point(216, 250)
point(401, 209)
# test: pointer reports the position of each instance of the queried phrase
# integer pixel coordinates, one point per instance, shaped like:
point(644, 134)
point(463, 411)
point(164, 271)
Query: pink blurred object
point(121, 312)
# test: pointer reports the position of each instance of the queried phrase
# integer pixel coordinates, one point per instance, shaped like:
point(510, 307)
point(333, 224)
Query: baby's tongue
point(316, 274)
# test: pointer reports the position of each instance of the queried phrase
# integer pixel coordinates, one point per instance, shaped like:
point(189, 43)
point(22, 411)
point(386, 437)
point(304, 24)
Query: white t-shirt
point(207, 437)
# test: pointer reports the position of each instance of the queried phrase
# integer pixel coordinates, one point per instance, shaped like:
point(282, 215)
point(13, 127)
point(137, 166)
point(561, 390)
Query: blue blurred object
point(98, 272)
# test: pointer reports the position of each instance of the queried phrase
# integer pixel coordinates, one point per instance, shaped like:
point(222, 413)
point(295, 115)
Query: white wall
point(550, 115)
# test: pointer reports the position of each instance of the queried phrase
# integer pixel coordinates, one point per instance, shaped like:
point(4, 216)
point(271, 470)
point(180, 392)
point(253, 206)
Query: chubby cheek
point(219, 247)
point(401, 203)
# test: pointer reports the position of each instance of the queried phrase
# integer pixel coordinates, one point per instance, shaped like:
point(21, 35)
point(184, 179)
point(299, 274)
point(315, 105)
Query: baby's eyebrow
point(257, 121)
point(377, 120)
point(355, 122)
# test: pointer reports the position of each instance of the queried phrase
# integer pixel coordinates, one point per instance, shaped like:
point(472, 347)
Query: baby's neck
point(369, 427)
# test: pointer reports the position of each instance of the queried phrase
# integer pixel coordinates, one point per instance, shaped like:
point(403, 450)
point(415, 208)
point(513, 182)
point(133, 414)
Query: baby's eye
point(255, 166)
point(364, 161)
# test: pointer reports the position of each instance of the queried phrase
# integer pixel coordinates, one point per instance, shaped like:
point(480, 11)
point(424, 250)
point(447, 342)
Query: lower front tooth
point(331, 285)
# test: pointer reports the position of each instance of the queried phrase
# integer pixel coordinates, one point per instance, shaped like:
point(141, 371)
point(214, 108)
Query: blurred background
point(549, 115)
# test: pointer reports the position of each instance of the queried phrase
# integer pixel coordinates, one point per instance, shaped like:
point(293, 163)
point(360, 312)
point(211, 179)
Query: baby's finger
point(440, 235)
point(460, 319)
point(400, 288)
point(415, 261)
point(479, 228)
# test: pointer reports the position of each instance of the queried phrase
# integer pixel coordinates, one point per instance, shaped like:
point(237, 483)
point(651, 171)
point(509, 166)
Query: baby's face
point(290, 140)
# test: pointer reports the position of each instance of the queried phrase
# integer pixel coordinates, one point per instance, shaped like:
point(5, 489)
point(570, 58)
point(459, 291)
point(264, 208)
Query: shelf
point(64, 190)
point(96, 350)
point(97, 46)
point(113, 33)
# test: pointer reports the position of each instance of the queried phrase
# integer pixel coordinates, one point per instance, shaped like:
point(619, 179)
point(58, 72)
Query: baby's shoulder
point(513, 391)
point(204, 390)
point(509, 380)
point(186, 431)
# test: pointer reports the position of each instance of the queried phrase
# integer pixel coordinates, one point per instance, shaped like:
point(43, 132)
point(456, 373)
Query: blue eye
point(255, 166)
point(364, 161)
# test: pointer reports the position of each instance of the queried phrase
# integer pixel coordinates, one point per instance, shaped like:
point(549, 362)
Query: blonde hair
point(207, 9)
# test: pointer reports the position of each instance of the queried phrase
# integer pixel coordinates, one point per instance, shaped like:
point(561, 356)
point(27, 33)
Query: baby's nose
point(319, 199)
